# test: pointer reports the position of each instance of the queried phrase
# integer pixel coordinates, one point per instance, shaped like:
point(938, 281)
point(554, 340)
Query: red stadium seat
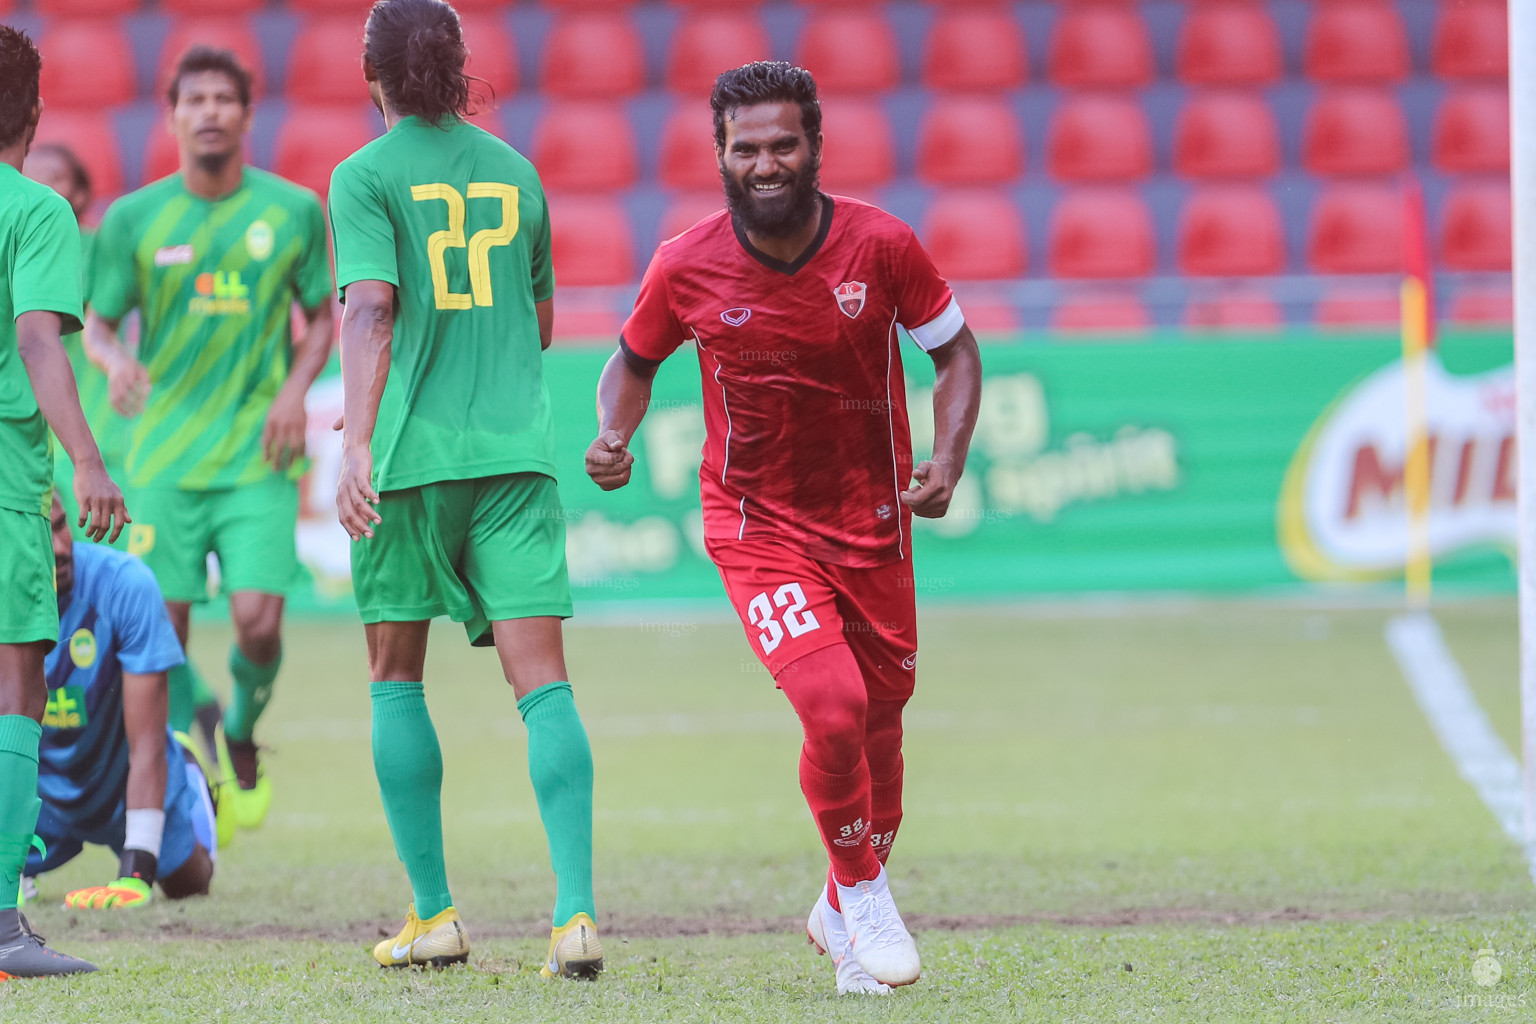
point(709, 42)
point(974, 49)
point(1483, 306)
point(1248, 309)
point(859, 147)
point(84, 9)
point(592, 55)
point(849, 50)
point(325, 61)
point(1100, 45)
point(687, 210)
point(1231, 231)
point(313, 140)
point(969, 141)
point(1355, 131)
point(87, 64)
point(1356, 41)
point(1472, 130)
point(89, 133)
point(590, 242)
point(1471, 40)
point(1226, 135)
point(218, 8)
point(1101, 233)
point(230, 33)
point(688, 158)
point(492, 56)
point(975, 236)
point(1363, 308)
point(1103, 137)
point(1356, 229)
point(1112, 312)
point(565, 153)
point(1232, 43)
point(1475, 227)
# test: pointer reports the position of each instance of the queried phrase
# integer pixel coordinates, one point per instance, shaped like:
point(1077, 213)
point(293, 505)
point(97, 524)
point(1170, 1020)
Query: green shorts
point(251, 529)
point(478, 551)
point(29, 605)
point(64, 484)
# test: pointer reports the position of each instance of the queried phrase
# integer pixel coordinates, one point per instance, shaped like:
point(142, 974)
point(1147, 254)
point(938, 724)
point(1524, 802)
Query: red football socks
point(882, 751)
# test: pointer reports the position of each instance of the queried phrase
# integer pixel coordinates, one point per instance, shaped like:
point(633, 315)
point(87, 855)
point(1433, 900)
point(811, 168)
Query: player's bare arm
point(282, 439)
point(127, 379)
point(367, 333)
point(53, 382)
point(956, 401)
point(146, 705)
point(623, 393)
point(545, 311)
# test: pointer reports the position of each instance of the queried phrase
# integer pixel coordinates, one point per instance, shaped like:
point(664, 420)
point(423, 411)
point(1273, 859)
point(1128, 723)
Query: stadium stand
point(89, 64)
point(974, 49)
point(1355, 131)
point(1257, 145)
point(1096, 137)
point(1226, 135)
point(1229, 43)
point(969, 140)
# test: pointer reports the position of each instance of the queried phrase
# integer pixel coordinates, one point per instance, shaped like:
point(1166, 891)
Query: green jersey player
point(447, 483)
point(60, 169)
point(215, 258)
point(39, 302)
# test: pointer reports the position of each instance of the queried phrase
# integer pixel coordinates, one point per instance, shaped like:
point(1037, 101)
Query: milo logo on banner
point(1343, 513)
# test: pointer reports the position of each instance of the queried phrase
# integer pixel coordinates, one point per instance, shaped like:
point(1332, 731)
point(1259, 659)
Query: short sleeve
point(114, 289)
point(653, 330)
point(312, 282)
point(146, 640)
point(46, 274)
point(925, 306)
point(361, 230)
point(539, 262)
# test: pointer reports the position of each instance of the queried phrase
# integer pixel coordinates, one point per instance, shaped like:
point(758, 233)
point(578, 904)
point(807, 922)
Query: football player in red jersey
point(792, 298)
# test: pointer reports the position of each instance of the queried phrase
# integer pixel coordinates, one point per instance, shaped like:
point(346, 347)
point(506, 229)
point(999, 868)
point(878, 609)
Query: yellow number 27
point(479, 244)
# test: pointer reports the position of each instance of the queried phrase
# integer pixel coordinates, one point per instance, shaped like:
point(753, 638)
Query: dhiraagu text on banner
point(1161, 465)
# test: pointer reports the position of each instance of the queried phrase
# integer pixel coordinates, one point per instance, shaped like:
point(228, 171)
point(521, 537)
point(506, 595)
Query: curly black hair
point(20, 66)
point(766, 81)
point(417, 49)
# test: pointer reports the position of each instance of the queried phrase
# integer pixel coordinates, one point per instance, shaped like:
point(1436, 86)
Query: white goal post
point(1522, 95)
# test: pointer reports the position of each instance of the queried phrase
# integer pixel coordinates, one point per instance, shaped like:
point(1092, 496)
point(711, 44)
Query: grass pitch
point(1193, 812)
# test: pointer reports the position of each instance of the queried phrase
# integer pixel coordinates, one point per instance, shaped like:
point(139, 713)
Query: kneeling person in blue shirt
point(110, 771)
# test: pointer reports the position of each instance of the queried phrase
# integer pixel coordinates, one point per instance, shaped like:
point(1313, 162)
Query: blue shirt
point(114, 622)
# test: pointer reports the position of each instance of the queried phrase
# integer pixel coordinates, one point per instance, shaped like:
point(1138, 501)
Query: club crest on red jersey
point(736, 317)
point(850, 298)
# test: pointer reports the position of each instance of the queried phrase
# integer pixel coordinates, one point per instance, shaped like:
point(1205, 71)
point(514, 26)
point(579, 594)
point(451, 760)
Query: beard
point(213, 163)
point(781, 215)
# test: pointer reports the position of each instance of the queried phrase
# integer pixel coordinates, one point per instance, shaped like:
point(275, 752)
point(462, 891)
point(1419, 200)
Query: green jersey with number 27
point(457, 221)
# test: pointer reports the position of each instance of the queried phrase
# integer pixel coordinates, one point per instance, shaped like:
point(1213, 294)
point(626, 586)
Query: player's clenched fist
point(609, 460)
point(930, 492)
point(102, 512)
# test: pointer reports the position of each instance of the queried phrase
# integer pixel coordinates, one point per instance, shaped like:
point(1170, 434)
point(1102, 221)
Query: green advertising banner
point(1163, 465)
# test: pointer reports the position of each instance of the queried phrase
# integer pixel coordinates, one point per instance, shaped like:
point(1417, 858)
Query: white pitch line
point(1463, 728)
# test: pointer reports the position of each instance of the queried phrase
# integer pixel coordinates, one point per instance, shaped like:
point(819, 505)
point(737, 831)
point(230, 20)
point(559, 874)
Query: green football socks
point(251, 692)
point(560, 766)
point(187, 691)
point(19, 803)
point(409, 766)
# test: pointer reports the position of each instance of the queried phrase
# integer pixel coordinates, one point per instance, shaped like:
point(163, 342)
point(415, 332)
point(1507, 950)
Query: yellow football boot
point(247, 789)
point(574, 950)
point(438, 941)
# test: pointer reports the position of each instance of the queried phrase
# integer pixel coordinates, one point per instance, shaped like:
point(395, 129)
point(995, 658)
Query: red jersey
point(805, 407)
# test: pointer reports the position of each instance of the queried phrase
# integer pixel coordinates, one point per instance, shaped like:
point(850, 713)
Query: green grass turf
point(1240, 800)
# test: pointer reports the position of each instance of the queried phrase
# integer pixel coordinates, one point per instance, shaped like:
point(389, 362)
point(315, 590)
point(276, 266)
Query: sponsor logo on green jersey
point(220, 293)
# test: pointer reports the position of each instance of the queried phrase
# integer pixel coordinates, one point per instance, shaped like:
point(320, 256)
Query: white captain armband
point(941, 329)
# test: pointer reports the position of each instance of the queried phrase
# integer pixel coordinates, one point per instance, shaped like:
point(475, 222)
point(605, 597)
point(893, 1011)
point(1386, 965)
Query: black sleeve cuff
point(637, 363)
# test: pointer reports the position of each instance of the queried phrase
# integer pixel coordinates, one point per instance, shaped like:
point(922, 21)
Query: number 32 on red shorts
point(791, 606)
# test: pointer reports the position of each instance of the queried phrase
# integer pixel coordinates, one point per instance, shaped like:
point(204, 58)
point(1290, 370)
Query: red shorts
point(791, 606)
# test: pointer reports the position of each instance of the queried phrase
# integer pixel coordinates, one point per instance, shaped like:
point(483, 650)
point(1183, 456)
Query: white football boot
point(824, 930)
point(877, 938)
